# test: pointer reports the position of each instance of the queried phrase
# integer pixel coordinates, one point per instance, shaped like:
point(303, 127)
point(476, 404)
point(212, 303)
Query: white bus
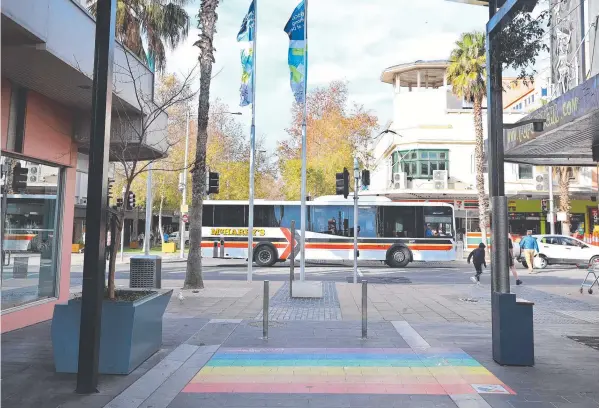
point(392, 232)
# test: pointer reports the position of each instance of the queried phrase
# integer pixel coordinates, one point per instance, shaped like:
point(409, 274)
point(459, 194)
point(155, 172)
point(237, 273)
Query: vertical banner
point(246, 39)
point(297, 51)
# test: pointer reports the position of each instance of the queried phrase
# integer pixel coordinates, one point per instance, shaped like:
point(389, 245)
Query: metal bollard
point(292, 257)
point(364, 309)
point(215, 250)
point(265, 310)
point(222, 247)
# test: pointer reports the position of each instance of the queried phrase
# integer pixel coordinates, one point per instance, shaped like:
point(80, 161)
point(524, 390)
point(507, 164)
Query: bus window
point(332, 219)
point(229, 216)
point(366, 222)
point(265, 217)
point(207, 216)
point(397, 222)
point(438, 222)
point(284, 214)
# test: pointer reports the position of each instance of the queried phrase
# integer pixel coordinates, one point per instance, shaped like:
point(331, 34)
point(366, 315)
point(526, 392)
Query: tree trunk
point(207, 25)
point(483, 203)
point(160, 230)
point(116, 242)
point(564, 197)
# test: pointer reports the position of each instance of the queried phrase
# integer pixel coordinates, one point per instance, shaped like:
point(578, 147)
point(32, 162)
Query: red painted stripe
point(19, 237)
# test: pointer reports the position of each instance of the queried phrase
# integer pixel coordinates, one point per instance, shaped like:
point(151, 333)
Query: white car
point(174, 237)
point(562, 249)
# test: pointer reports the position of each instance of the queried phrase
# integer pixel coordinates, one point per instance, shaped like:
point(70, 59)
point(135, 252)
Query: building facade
point(47, 65)
point(427, 152)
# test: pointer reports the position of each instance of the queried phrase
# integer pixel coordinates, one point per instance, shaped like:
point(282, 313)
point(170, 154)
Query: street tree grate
point(592, 342)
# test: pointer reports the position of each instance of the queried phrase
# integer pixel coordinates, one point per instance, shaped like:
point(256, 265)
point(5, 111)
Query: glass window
point(265, 217)
point(366, 221)
point(543, 91)
point(438, 222)
point(287, 213)
point(207, 216)
point(525, 172)
point(422, 163)
point(424, 155)
point(31, 235)
point(396, 221)
point(424, 169)
point(229, 216)
point(569, 242)
point(333, 219)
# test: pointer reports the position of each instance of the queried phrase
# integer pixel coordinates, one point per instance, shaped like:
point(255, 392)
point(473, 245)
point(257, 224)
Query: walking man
point(478, 259)
point(530, 249)
point(511, 255)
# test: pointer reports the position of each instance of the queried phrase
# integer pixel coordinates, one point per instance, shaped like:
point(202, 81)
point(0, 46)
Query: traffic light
point(119, 202)
point(110, 183)
point(342, 183)
point(544, 206)
point(19, 178)
point(131, 200)
point(365, 177)
point(213, 186)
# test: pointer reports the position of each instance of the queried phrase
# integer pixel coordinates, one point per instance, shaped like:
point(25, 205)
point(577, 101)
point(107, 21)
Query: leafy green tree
point(467, 75)
point(156, 23)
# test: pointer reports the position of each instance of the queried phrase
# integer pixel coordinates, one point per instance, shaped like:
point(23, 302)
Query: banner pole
point(254, 33)
point(304, 151)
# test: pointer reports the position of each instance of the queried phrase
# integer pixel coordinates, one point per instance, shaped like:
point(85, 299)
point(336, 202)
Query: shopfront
point(37, 220)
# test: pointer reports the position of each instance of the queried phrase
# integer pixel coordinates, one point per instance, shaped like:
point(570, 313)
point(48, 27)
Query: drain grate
point(381, 279)
point(592, 342)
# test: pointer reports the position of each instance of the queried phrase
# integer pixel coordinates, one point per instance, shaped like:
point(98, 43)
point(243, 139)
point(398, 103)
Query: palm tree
point(467, 75)
point(207, 18)
point(563, 175)
point(158, 23)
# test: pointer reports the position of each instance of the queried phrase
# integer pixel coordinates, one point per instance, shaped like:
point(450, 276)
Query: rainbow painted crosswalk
point(344, 371)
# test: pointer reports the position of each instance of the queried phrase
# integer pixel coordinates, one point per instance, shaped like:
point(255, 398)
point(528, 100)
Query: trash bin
point(513, 332)
point(145, 271)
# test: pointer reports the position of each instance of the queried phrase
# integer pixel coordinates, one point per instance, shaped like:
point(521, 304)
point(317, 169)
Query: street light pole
point(356, 186)
point(184, 190)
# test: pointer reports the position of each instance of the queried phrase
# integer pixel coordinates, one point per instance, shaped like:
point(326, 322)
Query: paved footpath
point(427, 346)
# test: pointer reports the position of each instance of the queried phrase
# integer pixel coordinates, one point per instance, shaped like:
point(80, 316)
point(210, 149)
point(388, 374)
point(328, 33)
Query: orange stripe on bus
point(341, 245)
point(23, 237)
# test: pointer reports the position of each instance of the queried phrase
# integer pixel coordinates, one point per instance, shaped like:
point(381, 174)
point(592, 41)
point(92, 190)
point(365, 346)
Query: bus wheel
point(398, 257)
point(265, 256)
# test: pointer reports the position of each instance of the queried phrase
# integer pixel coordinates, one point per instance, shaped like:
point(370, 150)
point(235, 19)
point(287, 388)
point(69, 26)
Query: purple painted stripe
point(225, 350)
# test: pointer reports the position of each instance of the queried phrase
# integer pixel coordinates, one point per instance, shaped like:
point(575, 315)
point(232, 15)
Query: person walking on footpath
point(530, 249)
point(478, 259)
point(511, 255)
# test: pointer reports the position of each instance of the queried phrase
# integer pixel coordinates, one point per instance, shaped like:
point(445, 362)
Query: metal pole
point(7, 163)
point(304, 151)
point(364, 309)
point(148, 229)
point(184, 192)
point(499, 250)
point(356, 186)
point(292, 258)
point(265, 302)
point(252, 149)
point(94, 260)
point(123, 225)
point(583, 70)
point(551, 209)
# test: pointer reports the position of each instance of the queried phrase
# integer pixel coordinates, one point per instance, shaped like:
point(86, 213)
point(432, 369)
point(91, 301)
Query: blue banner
point(246, 38)
point(297, 52)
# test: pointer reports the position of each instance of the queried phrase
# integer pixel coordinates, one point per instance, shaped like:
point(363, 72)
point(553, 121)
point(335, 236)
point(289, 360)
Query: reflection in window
point(438, 222)
point(333, 219)
point(30, 235)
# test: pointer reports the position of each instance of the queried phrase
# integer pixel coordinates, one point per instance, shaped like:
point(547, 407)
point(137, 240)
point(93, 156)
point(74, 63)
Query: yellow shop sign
point(258, 232)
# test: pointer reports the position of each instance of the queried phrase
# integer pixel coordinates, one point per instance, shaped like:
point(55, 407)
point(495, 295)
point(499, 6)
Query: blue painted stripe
point(344, 363)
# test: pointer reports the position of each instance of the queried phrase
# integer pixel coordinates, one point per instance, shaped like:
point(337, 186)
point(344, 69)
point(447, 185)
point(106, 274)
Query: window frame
point(416, 160)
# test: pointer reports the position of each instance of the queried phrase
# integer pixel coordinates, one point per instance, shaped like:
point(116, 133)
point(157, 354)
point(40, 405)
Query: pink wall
point(48, 137)
point(5, 109)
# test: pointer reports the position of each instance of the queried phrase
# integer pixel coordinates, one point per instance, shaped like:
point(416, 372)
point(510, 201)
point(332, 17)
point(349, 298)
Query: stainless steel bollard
point(222, 247)
point(364, 309)
point(215, 250)
point(292, 258)
point(265, 309)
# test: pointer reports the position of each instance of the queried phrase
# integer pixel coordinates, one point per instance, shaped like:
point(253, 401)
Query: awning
point(570, 130)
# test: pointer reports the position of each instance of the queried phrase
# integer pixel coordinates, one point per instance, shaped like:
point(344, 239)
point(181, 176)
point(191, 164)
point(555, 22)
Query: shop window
point(525, 172)
point(422, 163)
point(30, 235)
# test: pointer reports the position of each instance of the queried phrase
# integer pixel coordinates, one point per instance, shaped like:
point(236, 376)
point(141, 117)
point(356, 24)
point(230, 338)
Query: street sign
point(184, 208)
point(185, 218)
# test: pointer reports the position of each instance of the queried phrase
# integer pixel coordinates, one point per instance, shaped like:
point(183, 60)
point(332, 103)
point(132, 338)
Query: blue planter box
point(131, 333)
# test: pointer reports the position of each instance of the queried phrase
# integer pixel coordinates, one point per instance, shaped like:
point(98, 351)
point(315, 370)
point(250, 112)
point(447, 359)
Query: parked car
point(561, 249)
point(174, 237)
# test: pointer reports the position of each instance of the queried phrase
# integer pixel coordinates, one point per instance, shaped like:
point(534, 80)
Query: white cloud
point(351, 40)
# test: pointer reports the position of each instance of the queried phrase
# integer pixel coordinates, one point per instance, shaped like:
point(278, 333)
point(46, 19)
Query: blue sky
point(352, 40)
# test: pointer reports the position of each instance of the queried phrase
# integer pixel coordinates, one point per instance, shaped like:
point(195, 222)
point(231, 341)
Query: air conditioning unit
point(400, 181)
point(34, 176)
point(440, 179)
point(542, 182)
point(82, 201)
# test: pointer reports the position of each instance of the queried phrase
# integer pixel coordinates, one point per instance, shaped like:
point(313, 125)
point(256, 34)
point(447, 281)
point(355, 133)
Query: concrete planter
point(131, 333)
